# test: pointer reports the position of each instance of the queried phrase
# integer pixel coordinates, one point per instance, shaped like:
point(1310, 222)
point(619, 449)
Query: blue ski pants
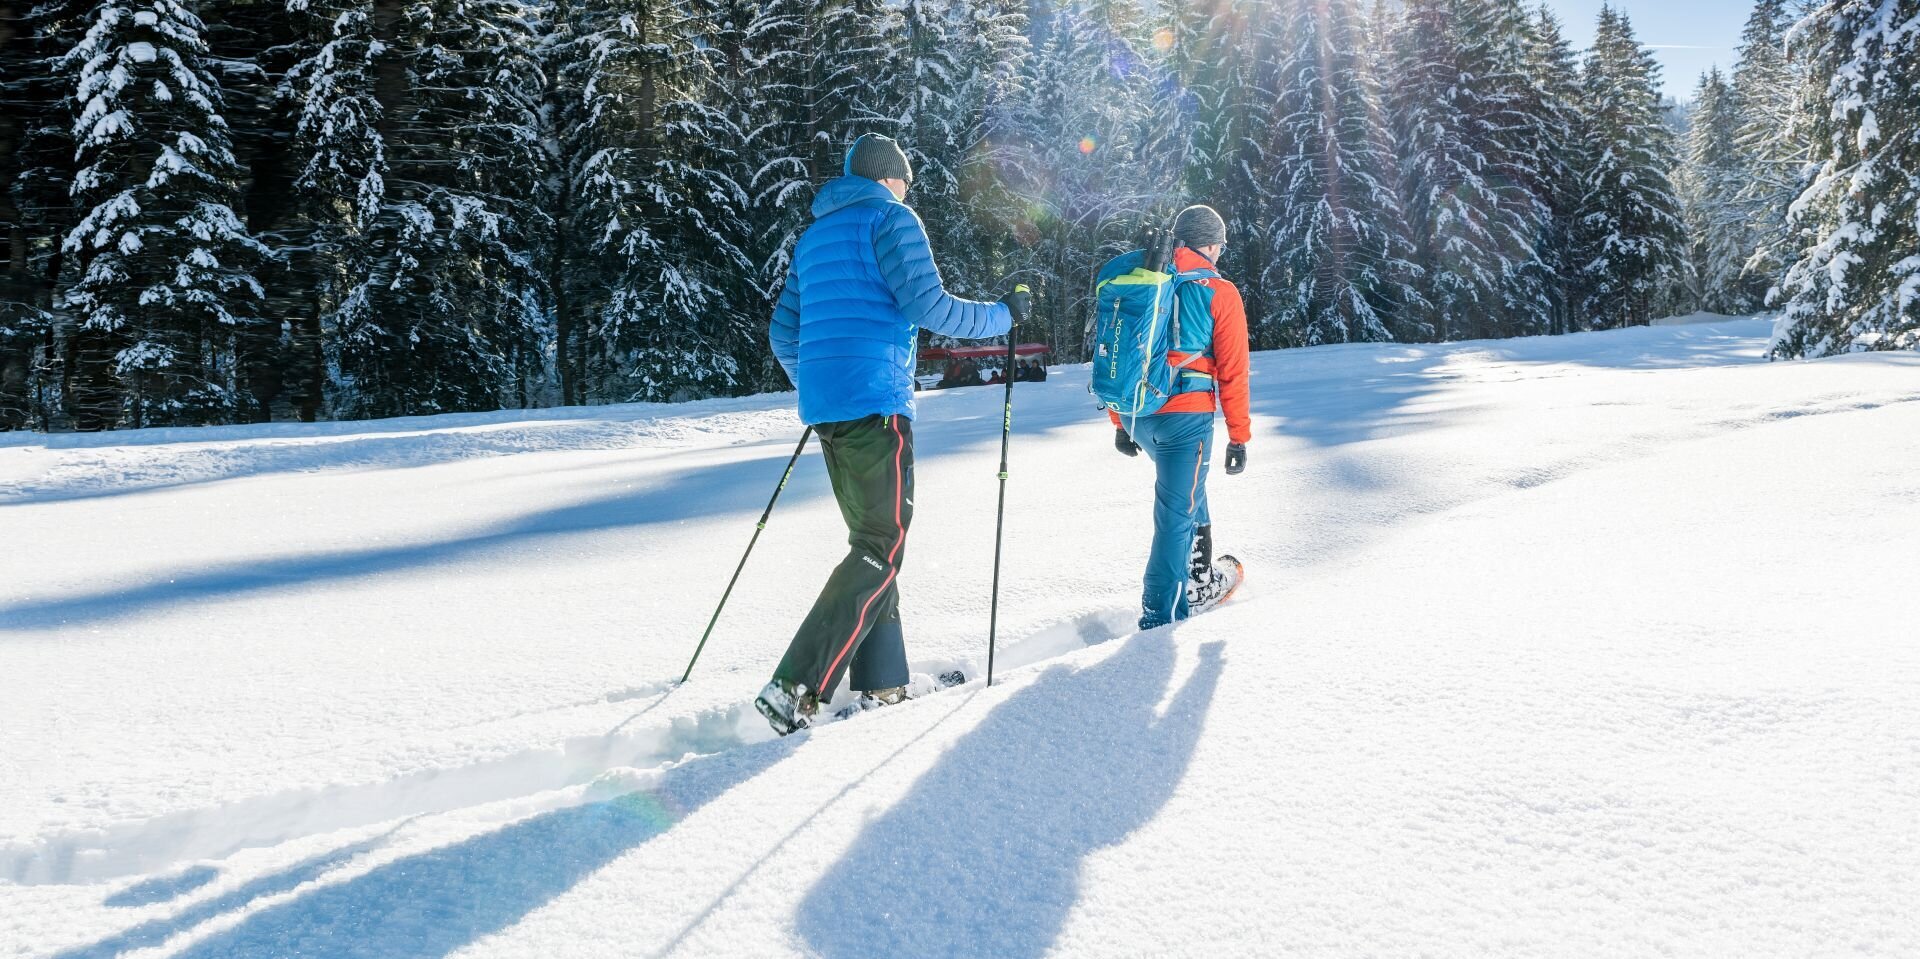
point(1180, 445)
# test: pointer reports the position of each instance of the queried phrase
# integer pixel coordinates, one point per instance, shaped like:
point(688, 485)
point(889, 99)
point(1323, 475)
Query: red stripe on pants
point(900, 537)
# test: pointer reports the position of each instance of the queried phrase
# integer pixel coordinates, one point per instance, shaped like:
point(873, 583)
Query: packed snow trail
point(1590, 645)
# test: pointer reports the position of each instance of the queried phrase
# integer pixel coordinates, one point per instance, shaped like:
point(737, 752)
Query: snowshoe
point(787, 706)
point(1222, 579)
point(873, 699)
point(920, 685)
point(890, 696)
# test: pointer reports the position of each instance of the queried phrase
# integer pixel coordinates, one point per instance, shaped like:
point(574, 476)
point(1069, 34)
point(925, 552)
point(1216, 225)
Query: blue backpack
point(1136, 323)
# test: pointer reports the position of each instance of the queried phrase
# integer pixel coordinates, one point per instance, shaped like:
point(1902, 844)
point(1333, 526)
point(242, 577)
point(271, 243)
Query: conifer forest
point(233, 211)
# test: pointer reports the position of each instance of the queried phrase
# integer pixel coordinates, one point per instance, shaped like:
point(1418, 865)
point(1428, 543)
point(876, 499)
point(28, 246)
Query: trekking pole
point(1000, 519)
point(757, 528)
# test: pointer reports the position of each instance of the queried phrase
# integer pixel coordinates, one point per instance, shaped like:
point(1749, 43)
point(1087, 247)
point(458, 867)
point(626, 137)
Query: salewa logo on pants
point(872, 562)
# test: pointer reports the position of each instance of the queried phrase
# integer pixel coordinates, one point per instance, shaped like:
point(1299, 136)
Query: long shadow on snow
point(155, 932)
point(223, 453)
point(233, 452)
point(431, 904)
point(707, 491)
point(693, 493)
point(983, 857)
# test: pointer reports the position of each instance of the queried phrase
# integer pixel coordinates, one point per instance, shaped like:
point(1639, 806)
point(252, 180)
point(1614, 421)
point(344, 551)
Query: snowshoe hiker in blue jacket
point(846, 329)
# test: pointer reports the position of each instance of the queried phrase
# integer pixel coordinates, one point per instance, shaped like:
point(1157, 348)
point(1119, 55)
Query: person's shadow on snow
point(983, 857)
point(434, 902)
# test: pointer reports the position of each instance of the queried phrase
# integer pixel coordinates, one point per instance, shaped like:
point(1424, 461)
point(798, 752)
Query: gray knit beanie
point(878, 157)
point(1199, 226)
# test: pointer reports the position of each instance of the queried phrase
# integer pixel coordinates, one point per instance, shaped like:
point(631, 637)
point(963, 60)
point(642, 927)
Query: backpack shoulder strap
point(1188, 276)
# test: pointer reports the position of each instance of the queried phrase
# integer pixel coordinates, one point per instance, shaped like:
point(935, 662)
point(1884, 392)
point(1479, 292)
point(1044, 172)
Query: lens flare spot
point(1087, 145)
point(1163, 39)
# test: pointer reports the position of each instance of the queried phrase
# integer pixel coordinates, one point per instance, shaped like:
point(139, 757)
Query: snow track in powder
point(632, 746)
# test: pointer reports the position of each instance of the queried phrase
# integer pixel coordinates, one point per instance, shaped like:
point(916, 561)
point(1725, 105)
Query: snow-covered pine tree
point(430, 164)
point(852, 41)
point(1632, 252)
point(1187, 49)
point(657, 208)
point(1340, 268)
point(1562, 161)
point(1517, 122)
point(252, 44)
point(1452, 201)
point(1191, 49)
point(992, 52)
point(736, 53)
point(1856, 285)
point(341, 180)
point(36, 170)
point(1776, 98)
point(572, 274)
point(820, 65)
point(1077, 173)
point(1712, 176)
point(1213, 45)
point(166, 268)
point(929, 117)
point(1382, 22)
point(1231, 166)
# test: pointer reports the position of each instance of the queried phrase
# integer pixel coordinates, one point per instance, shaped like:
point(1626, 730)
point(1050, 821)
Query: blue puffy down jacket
point(861, 286)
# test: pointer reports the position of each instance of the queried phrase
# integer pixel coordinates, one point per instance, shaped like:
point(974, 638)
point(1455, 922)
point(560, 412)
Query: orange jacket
point(1228, 365)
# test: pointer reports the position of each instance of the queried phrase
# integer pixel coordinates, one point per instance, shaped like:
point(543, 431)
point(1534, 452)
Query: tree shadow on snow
point(1331, 402)
point(983, 857)
point(1347, 393)
point(430, 904)
point(679, 496)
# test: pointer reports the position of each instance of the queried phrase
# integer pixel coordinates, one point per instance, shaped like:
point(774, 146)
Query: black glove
point(1019, 301)
point(1236, 458)
point(1125, 443)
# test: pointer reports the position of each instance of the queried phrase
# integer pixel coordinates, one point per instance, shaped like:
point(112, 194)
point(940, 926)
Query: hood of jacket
point(842, 192)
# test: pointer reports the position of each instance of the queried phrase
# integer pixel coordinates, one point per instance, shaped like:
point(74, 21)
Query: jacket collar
point(1186, 259)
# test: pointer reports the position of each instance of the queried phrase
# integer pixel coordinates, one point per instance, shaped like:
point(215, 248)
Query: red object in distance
point(938, 354)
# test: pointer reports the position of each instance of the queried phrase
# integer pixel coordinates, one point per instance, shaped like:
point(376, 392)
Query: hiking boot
point(1221, 580)
point(872, 699)
point(1202, 578)
point(890, 696)
point(1200, 560)
point(1205, 589)
point(787, 706)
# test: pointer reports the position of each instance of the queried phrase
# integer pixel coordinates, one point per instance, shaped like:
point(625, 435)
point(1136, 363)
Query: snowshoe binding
point(873, 699)
point(920, 685)
point(787, 706)
point(890, 696)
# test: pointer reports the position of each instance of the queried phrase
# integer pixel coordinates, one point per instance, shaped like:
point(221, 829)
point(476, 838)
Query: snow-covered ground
point(1585, 646)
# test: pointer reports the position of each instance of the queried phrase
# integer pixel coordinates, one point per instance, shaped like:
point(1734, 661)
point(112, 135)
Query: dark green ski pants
point(855, 624)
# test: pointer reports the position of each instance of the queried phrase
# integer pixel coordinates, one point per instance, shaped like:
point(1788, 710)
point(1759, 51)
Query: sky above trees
point(1688, 36)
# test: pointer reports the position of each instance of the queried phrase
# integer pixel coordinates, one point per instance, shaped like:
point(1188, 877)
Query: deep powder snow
point(1597, 645)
